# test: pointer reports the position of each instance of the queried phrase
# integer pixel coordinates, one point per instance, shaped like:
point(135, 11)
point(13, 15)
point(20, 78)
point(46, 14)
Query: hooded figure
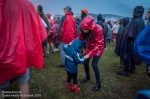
point(99, 21)
point(72, 56)
point(120, 44)
point(135, 27)
point(72, 59)
point(20, 39)
point(92, 33)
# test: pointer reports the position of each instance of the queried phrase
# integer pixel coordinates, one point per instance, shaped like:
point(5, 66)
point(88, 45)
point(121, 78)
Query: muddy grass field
point(49, 83)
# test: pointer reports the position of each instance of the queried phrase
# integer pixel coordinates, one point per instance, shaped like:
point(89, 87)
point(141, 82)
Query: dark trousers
point(130, 62)
point(72, 76)
point(94, 66)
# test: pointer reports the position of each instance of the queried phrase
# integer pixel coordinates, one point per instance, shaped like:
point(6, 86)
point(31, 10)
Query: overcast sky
point(116, 7)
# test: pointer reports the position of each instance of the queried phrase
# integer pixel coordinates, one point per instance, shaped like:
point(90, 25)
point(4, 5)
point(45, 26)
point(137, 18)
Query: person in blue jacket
point(143, 94)
point(72, 59)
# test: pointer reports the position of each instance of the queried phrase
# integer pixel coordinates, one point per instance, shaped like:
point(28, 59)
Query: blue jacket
point(143, 94)
point(72, 57)
point(142, 44)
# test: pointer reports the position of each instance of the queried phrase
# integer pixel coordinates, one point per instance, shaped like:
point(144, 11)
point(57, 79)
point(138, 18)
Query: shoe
point(53, 51)
point(56, 49)
point(47, 53)
point(61, 65)
point(97, 86)
point(122, 73)
point(85, 79)
point(76, 88)
point(69, 86)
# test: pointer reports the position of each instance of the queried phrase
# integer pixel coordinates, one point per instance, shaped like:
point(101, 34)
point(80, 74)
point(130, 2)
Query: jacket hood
point(99, 17)
point(77, 45)
point(138, 12)
point(88, 23)
point(125, 21)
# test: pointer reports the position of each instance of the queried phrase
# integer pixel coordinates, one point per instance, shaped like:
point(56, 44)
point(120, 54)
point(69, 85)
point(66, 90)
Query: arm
point(65, 47)
point(60, 30)
point(77, 58)
point(47, 23)
point(99, 44)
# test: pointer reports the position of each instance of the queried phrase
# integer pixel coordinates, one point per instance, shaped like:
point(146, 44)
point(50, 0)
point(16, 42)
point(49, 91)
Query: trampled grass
point(50, 81)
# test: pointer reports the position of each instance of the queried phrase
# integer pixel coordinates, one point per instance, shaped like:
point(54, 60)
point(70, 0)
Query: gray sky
point(116, 7)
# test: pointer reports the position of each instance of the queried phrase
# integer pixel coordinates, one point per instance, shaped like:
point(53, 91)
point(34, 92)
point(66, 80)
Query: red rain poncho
point(21, 35)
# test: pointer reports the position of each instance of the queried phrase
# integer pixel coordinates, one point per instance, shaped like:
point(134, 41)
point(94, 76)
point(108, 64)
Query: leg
point(97, 73)
point(23, 84)
point(69, 77)
point(86, 68)
point(132, 68)
point(69, 84)
point(75, 82)
point(62, 53)
point(95, 67)
point(74, 76)
point(47, 47)
point(52, 45)
point(24, 88)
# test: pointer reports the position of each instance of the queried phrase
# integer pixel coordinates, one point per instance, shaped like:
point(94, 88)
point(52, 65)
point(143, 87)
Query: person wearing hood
point(135, 27)
point(72, 59)
point(100, 20)
point(121, 44)
point(93, 34)
point(45, 43)
point(20, 43)
point(66, 31)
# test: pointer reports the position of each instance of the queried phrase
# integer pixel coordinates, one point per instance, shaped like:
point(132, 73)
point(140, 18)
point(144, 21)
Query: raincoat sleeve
point(77, 58)
point(1, 6)
point(99, 44)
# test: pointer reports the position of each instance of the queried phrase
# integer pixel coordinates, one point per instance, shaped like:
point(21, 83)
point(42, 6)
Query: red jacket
point(67, 28)
point(20, 39)
point(95, 47)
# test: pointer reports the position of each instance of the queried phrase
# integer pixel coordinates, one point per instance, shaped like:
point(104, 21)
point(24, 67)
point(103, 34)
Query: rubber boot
point(76, 88)
point(86, 78)
point(69, 86)
point(97, 86)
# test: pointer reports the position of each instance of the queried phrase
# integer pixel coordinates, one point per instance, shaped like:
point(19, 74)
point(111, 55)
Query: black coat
point(135, 27)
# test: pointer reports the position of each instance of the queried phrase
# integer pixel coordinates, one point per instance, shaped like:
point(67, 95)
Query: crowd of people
point(26, 36)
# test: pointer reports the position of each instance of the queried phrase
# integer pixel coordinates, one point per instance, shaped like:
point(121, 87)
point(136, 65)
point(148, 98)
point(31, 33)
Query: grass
point(50, 81)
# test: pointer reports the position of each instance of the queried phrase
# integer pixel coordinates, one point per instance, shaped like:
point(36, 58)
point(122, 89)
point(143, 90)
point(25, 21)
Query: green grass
point(50, 82)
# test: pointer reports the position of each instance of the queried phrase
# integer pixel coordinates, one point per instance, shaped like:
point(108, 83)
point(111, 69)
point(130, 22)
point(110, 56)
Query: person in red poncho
point(21, 34)
point(92, 33)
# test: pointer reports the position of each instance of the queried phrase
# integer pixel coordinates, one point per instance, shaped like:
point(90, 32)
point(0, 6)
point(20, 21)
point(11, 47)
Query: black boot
point(97, 86)
point(86, 78)
point(123, 73)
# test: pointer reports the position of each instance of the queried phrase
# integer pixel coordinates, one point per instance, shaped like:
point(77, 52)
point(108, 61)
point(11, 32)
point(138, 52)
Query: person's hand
point(70, 43)
point(86, 57)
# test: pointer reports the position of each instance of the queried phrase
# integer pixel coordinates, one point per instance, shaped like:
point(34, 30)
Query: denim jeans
point(94, 66)
point(62, 53)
